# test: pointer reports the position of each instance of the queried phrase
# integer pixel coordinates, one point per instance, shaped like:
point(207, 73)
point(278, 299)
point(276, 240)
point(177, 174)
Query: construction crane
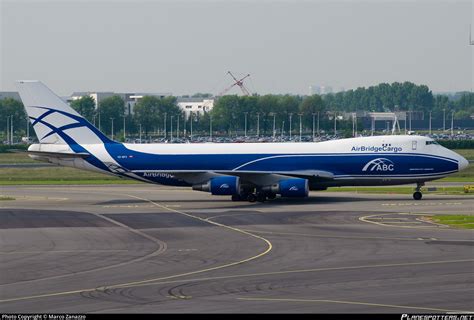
point(239, 83)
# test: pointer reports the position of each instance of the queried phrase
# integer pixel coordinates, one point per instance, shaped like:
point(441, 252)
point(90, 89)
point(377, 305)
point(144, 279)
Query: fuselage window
point(413, 145)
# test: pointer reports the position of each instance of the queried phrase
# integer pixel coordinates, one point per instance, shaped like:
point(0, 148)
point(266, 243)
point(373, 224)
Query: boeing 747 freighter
point(251, 172)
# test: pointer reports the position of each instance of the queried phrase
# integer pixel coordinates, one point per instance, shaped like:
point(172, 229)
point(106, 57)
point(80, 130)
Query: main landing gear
point(417, 195)
point(252, 197)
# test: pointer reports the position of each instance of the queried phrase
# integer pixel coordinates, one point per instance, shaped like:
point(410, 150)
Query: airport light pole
point(140, 128)
point(301, 125)
point(318, 125)
point(191, 125)
point(245, 130)
point(444, 120)
point(164, 125)
point(405, 123)
point(353, 126)
point(184, 126)
point(8, 129)
point(291, 115)
point(11, 129)
point(409, 117)
point(372, 121)
point(335, 125)
point(258, 124)
point(210, 127)
point(171, 129)
point(356, 123)
point(177, 127)
point(112, 119)
point(282, 129)
point(314, 114)
point(274, 132)
point(452, 123)
point(430, 125)
point(124, 117)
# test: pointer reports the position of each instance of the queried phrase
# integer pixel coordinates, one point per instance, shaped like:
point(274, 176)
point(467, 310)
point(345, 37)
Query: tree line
point(235, 113)
point(405, 96)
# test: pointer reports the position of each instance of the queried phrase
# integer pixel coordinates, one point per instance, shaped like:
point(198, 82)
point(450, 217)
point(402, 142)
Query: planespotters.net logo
point(379, 164)
point(454, 316)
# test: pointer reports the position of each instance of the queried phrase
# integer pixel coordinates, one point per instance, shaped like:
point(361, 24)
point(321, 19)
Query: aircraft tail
point(53, 120)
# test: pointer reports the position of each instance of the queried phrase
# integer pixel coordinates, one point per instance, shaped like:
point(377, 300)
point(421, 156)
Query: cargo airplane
point(250, 172)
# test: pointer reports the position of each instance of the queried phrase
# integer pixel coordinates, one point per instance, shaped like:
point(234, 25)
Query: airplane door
point(413, 145)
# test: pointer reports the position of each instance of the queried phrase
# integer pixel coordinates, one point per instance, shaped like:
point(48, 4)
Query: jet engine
point(292, 188)
point(220, 186)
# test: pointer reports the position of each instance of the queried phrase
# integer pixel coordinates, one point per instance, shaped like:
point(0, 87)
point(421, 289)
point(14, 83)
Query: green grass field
point(467, 175)
point(64, 175)
point(55, 175)
point(458, 221)
point(8, 158)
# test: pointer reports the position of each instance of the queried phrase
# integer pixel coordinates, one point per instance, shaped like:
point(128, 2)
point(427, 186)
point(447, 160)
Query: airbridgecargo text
point(383, 148)
point(158, 175)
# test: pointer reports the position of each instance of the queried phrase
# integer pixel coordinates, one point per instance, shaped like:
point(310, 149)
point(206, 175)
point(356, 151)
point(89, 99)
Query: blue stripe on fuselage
point(337, 163)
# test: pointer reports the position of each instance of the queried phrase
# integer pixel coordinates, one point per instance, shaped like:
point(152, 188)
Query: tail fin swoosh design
point(53, 120)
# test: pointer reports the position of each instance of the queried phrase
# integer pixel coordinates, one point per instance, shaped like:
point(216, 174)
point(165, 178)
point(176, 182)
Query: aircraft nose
point(463, 163)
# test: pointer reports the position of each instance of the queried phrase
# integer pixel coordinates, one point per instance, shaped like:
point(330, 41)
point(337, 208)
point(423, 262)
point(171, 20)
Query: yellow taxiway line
point(354, 303)
point(153, 280)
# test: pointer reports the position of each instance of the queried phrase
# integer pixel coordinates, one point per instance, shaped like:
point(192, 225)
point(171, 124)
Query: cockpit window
point(431, 142)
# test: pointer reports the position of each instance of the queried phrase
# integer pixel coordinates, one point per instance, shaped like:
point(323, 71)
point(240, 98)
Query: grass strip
point(457, 221)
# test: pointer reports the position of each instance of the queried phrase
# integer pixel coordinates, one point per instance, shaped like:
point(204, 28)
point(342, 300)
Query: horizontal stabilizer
point(59, 154)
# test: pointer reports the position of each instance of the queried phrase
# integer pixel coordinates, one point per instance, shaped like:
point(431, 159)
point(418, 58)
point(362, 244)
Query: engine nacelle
point(292, 188)
point(220, 186)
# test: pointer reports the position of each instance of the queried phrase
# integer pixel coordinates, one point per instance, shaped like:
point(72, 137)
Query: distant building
point(323, 89)
point(130, 99)
point(97, 96)
point(195, 105)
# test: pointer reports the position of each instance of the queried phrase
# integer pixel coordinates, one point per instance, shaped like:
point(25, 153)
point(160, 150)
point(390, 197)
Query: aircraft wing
point(259, 178)
point(267, 178)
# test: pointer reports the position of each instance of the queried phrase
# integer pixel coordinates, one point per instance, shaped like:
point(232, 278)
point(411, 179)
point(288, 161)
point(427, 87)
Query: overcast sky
point(185, 47)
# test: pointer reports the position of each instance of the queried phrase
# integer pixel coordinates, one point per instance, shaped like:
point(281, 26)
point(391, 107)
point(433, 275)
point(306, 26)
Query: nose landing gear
point(417, 195)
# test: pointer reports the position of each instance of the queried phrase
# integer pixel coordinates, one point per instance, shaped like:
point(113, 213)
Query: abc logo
point(379, 164)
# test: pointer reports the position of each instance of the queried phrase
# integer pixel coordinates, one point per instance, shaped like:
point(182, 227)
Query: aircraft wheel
point(236, 197)
point(251, 197)
point(261, 197)
point(417, 195)
point(271, 196)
